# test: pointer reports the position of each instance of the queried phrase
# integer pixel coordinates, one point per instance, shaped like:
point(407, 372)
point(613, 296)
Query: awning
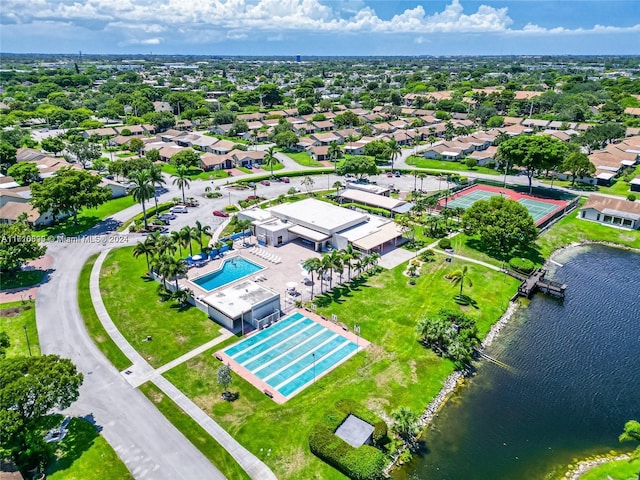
point(621, 214)
point(403, 208)
point(387, 232)
point(309, 234)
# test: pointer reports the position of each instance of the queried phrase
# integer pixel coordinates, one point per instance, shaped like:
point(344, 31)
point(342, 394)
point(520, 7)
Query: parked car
point(251, 184)
point(220, 213)
point(397, 174)
point(389, 174)
point(179, 209)
point(167, 216)
point(265, 182)
point(285, 179)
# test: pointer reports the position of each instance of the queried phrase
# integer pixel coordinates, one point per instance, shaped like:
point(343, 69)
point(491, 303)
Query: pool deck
point(273, 393)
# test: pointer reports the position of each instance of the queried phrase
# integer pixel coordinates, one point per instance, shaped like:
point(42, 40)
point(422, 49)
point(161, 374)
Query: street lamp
point(314, 367)
point(27, 337)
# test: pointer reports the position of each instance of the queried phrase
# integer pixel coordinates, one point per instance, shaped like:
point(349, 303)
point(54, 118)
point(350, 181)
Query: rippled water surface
point(576, 380)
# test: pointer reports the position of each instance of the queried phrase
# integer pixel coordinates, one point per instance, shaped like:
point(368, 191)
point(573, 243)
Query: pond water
point(575, 380)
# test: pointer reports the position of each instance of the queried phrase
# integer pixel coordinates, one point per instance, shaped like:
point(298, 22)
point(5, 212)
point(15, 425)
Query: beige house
point(612, 211)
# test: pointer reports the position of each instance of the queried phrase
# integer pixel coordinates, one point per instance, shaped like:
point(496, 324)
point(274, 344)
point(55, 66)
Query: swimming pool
point(230, 271)
point(291, 354)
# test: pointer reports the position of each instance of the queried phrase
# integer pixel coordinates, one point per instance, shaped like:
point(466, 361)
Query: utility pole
point(27, 337)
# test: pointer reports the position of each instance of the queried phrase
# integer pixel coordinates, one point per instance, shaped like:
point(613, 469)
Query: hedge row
point(362, 463)
point(374, 210)
point(523, 265)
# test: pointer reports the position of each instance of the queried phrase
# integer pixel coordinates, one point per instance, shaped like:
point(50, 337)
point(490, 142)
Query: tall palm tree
point(199, 230)
point(186, 235)
point(422, 176)
point(165, 246)
point(337, 262)
point(405, 424)
point(327, 266)
point(142, 190)
point(270, 158)
point(337, 185)
point(244, 225)
point(312, 265)
point(161, 264)
point(394, 150)
point(459, 277)
point(334, 151)
point(372, 260)
point(143, 248)
point(174, 268)
point(350, 255)
point(177, 240)
point(182, 180)
point(156, 178)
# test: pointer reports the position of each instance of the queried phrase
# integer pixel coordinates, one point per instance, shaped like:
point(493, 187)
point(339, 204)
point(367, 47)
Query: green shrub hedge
point(444, 243)
point(522, 264)
point(363, 463)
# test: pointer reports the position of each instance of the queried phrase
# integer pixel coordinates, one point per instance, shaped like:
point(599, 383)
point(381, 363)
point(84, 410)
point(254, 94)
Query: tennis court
point(541, 209)
point(285, 358)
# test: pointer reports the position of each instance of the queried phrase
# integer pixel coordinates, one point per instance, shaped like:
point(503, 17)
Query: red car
point(389, 174)
point(220, 213)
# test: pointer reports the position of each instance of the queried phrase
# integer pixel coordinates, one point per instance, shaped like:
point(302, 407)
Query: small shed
point(355, 432)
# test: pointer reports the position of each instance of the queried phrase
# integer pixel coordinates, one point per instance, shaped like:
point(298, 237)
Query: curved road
point(150, 446)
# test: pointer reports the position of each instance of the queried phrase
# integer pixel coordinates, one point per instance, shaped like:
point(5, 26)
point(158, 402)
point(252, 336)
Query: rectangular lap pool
point(230, 271)
point(287, 356)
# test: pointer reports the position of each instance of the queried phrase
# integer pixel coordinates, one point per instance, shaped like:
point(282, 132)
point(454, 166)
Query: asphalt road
point(150, 446)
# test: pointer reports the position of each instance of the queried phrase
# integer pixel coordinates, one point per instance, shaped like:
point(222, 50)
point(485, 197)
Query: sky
point(321, 27)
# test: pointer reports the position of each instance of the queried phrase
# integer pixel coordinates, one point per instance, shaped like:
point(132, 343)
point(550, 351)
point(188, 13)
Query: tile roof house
point(612, 211)
point(211, 161)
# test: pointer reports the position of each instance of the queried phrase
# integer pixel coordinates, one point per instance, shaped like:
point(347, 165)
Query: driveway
point(150, 446)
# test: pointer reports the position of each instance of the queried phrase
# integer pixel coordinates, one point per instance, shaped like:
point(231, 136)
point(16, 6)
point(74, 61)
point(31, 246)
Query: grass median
point(18, 321)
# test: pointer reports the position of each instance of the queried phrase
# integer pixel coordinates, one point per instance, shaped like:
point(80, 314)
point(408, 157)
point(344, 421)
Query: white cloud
point(196, 21)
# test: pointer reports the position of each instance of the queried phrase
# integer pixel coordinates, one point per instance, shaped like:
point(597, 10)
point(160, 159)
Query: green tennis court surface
point(538, 210)
point(468, 199)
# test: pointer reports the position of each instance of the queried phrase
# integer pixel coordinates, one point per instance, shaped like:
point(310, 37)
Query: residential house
point(221, 147)
point(319, 153)
point(535, 123)
point(612, 211)
point(15, 202)
point(634, 112)
point(101, 133)
point(323, 126)
point(171, 135)
point(221, 129)
point(117, 189)
point(484, 156)
point(244, 158)
point(326, 138)
point(167, 152)
point(29, 154)
point(162, 107)
point(211, 161)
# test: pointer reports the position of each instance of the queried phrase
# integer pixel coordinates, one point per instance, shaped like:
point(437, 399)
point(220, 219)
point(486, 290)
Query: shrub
point(445, 243)
point(631, 197)
point(362, 463)
point(426, 256)
point(522, 264)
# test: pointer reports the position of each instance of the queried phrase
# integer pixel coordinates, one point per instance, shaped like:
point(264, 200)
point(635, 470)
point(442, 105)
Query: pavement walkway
point(141, 369)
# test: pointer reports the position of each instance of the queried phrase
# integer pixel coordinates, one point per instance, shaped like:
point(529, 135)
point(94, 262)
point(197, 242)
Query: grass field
point(97, 332)
point(87, 218)
point(136, 309)
point(21, 279)
point(422, 162)
point(195, 433)
point(616, 470)
point(13, 318)
point(196, 173)
point(85, 455)
point(303, 159)
point(395, 371)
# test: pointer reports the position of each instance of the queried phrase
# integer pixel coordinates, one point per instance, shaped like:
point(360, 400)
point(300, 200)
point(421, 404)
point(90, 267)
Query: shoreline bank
point(583, 466)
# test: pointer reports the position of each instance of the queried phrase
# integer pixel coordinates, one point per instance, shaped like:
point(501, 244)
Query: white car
point(178, 209)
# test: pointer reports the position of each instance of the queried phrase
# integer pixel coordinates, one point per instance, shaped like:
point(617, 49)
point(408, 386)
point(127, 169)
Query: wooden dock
point(537, 282)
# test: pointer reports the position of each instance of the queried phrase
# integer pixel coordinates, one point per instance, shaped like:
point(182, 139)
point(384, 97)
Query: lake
point(574, 380)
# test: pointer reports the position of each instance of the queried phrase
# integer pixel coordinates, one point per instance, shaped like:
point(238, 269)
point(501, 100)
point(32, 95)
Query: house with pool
point(321, 225)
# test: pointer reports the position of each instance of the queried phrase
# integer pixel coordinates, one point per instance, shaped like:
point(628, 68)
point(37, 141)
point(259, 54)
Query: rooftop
point(322, 215)
point(239, 298)
point(354, 431)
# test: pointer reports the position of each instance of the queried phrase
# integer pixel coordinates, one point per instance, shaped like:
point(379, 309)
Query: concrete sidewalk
point(250, 463)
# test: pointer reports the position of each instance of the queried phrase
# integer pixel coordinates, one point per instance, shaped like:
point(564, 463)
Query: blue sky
point(322, 27)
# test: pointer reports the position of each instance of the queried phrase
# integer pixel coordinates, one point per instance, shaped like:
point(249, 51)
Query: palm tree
point(334, 151)
point(177, 240)
point(186, 235)
point(413, 268)
point(394, 150)
point(143, 248)
point(312, 265)
point(349, 254)
point(183, 296)
point(142, 190)
point(360, 264)
point(156, 178)
point(372, 260)
point(161, 265)
point(460, 277)
point(165, 246)
point(422, 176)
point(405, 424)
point(244, 225)
point(270, 158)
point(337, 185)
point(337, 263)
point(327, 266)
point(199, 230)
point(308, 182)
point(182, 180)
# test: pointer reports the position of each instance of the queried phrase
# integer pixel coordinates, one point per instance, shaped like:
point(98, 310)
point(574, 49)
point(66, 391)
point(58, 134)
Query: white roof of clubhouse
point(316, 215)
point(239, 298)
point(367, 198)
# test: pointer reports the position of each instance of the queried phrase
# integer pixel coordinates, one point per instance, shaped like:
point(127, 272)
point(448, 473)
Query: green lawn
point(303, 158)
point(422, 162)
point(195, 434)
point(85, 455)
point(616, 470)
point(620, 187)
point(87, 218)
point(573, 229)
point(13, 317)
point(21, 279)
point(96, 331)
point(136, 309)
point(196, 173)
point(395, 371)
